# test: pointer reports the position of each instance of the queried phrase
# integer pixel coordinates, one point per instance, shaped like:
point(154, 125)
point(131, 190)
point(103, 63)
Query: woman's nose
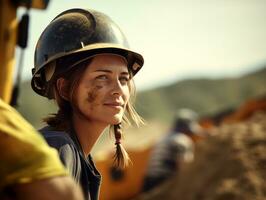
point(117, 88)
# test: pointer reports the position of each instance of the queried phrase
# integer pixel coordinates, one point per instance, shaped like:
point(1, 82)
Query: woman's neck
point(87, 132)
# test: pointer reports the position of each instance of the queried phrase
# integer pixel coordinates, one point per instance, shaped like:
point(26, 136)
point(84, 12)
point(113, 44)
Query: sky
point(179, 39)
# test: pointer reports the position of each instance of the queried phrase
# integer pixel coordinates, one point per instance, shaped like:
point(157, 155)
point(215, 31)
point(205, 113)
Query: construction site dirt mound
point(228, 165)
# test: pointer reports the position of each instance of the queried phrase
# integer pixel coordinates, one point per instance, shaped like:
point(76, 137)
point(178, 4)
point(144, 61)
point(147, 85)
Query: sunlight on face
point(103, 92)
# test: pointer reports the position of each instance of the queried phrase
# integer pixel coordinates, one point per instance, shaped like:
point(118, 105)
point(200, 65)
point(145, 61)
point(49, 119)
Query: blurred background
point(206, 55)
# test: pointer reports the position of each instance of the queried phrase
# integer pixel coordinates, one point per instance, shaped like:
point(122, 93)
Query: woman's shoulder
point(55, 138)
point(67, 150)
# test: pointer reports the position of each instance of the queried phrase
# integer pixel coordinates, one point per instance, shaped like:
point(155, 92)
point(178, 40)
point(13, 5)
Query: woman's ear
point(62, 87)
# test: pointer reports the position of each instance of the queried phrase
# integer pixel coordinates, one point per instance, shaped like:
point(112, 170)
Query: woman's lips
point(115, 105)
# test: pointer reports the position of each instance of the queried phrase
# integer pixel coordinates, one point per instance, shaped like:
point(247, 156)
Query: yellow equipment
point(9, 34)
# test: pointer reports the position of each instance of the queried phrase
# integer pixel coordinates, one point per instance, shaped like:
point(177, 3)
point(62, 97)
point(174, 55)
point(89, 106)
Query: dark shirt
point(80, 168)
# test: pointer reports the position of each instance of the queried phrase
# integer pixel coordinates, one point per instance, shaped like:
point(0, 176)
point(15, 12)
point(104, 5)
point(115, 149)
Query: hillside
point(206, 96)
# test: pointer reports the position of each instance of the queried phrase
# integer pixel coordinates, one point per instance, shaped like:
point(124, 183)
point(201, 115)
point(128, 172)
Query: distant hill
point(206, 96)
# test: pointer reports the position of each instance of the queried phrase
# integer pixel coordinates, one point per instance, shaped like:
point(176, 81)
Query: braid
point(121, 158)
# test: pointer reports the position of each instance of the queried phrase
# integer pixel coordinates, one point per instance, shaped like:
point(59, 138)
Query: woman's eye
point(102, 77)
point(124, 79)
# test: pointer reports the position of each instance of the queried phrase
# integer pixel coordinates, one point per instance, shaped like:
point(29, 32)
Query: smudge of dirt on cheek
point(92, 95)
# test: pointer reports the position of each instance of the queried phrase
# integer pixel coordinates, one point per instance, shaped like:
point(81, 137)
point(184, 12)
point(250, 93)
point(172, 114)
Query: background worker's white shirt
point(168, 152)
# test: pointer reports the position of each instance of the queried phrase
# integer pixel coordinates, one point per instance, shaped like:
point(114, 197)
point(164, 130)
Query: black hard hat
point(79, 34)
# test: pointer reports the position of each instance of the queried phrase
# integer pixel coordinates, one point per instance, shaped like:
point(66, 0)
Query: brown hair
point(62, 119)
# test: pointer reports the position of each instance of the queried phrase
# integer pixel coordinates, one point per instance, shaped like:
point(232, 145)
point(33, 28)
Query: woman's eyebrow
point(124, 73)
point(103, 70)
point(109, 71)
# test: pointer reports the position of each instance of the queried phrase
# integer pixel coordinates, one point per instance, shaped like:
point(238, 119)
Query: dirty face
point(103, 91)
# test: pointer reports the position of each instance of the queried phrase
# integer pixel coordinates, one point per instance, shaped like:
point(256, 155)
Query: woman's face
point(103, 91)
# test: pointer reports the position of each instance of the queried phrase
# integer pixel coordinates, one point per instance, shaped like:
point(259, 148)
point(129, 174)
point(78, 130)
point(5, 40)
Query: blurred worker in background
point(29, 168)
point(172, 149)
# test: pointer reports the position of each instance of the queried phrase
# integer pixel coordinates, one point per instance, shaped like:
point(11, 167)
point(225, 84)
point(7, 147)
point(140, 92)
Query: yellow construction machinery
point(13, 32)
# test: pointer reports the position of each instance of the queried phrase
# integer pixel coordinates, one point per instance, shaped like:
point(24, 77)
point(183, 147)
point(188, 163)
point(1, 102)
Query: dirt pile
point(229, 165)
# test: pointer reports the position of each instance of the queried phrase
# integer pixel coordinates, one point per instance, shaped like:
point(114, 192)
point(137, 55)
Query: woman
point(82, 60)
